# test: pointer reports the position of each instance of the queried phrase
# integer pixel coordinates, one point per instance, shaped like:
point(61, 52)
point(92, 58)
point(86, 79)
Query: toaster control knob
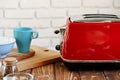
point(57, 47)
point(56, 31)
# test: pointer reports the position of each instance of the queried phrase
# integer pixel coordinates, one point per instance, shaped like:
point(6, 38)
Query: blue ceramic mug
point(23, 36)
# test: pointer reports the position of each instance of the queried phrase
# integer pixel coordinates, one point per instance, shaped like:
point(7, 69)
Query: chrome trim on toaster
point(90, 61)
point(95, 18)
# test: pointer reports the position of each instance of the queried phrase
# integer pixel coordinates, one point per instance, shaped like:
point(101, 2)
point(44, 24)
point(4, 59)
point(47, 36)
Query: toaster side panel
point(92, 41)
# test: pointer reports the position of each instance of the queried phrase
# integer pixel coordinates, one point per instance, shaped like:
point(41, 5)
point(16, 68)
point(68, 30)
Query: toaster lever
point(56, 31)
point(57, 47)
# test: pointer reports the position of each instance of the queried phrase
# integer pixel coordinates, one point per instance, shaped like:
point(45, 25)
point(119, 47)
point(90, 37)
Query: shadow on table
point(92, 66)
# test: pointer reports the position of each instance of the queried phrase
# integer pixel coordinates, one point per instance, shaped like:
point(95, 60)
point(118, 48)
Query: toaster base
point(91, 66)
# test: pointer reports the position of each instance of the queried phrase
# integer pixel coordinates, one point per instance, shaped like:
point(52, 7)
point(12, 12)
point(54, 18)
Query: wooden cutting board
point(21, 56)
point(41, 57)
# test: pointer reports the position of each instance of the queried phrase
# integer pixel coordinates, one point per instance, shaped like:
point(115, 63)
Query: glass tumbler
point(19, 76)
point(2, 70)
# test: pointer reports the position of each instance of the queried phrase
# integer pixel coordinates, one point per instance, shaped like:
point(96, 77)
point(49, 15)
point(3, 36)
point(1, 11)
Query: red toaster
point(91, 38)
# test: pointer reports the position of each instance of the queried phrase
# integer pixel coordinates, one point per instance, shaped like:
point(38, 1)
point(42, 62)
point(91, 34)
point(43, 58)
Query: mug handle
point(34, 34)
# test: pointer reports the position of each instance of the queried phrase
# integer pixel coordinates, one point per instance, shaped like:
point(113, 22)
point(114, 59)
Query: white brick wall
point(21, 14)
point(9, 4)
point(45, 16)
point(97, 3)
point(34, 3)
point(58, 22)
point(38, 23)
point(66, 3)
point(1, 32)
point(45, 42)
point(49, 32)
point(117, 3)
point(1, 13)
point(8, 33)
point(48, 13)
point(6, 23)
point(110, 11)
point(79, 11)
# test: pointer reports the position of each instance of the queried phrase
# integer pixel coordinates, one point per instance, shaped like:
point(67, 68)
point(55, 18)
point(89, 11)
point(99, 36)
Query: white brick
point(8, 23)
point(8, 3)
point(47, 13)
point(1, 14)
point(58, 22)
point(47, 33)
point(110, 11)
point(73, 12)
point(116, 3)
point(19, 14)
point(41, 42)
point(1, 32)
point(66, 3)
point(55, 41)
point(8, 33)
point(41, 23)
point(97, 3)
point(34, 3)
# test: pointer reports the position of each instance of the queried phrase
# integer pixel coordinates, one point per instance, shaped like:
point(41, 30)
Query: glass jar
point(10, 66)
point(19, 76)
point(2, 69)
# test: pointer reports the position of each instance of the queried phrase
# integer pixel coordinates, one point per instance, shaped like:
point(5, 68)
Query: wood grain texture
point(44, 72)
point(112, 75)
point(21, 56)
point(92, 75)
point(42, 56)
point(62, 73)
point(58, 71)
